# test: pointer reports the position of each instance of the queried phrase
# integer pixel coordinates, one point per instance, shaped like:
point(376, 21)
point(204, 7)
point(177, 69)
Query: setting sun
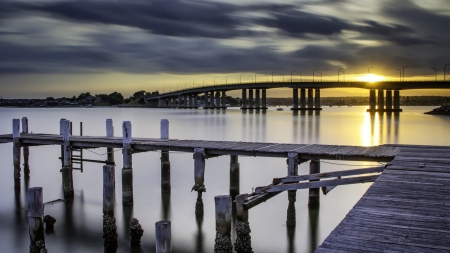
point(371, 78)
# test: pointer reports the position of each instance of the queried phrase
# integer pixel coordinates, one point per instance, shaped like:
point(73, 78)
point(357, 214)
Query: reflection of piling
point(67, 177)
point(165, 162)
point(313, 228)
point(35, 222)
point(243, 239)
point(26, 149)
point(292, 195)
point(163, 237)
point(223, 224)
point(199, 244)
point(127, 172)
point(314, 193)
point(108, 189)
point(199, 178)
point(234, 176)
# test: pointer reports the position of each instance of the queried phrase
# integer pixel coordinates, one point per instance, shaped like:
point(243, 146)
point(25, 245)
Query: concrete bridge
point(383, 96)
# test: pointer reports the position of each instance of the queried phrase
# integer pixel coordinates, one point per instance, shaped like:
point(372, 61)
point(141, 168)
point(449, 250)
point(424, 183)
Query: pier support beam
point(163, 236)
point(165, 162)
point(110, 133)
point(234, 176)
point(35, 220)
point(223, 224)
point(257, 99)
point(67, 177)
point(314, 193)
point(250, 98)
point(127, 171)
point(292, 162)
point(264, 99)
point(295, 98)
point(243, 239)
point(109, 180)
point(244, 99)
point(389, 100)
point(16, 152)
point(26, 149)
point(380, 100)
point(199, 178)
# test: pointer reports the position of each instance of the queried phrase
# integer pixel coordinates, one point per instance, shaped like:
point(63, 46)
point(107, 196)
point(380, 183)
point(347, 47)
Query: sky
point(63, 48)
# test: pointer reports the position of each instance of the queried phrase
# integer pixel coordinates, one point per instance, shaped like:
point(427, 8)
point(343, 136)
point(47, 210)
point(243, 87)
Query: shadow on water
point(313, 214)
point(199, 238)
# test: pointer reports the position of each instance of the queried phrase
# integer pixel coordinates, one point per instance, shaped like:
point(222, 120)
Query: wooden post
point(127, 172)
point(110, 133)
point(234, 176)
point(26, 149)
point(292, 195)
point(35, 220)
point(314, 193)
point(243, 239)
point(108, 189)
point(163, 237)
point(223, 224)
point(67, 178)
point(16, 151)
point(165, 162)
point(199, 178)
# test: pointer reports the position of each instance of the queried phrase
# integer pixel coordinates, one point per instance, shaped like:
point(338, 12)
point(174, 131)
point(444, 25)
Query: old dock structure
point(406, 209)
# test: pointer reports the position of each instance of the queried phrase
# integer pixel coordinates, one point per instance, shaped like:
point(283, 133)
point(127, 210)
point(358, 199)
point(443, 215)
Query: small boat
point(89, 106)
point(279, 109)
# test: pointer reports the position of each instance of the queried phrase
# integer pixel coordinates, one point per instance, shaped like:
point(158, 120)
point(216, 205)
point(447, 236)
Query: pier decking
point(407, 209)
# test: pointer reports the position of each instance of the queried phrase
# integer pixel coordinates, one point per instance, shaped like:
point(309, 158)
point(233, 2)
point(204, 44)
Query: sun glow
point(371, 78)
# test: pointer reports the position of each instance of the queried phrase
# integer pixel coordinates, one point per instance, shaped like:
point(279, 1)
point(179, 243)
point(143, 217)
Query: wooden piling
point(234, 176)
point(110, 133)
point(292, 195)
point(314, 193)
point(243, 239)
point(67, 177)
point(165, 162)
point(163, 237)
point(35, 220)
point(127, 172)
point(199, 178)
point(16, 151)
point(223, 205)
point(108, 189)
point(26, 149)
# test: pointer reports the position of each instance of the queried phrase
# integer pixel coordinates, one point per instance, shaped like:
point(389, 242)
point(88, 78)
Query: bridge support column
point(250, 98)
point(302, 98)
point(179, 101)
point(295, 98)
point(244, 99)
point(397, 100)
point(257, 99)
point(196, 100)
point(314, 193)
point(224, 100)
point(205, 100)
point(310, 98)
point(264, 99)
point(372, 100)
point(389, 100)
point(380, 100)
point(217, 100)
point(317, 99)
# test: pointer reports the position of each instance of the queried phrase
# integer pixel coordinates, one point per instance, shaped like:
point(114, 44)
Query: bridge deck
point(314, 151)
point(407, 209)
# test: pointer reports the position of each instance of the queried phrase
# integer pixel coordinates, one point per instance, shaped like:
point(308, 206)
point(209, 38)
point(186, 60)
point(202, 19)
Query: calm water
point(79, 224)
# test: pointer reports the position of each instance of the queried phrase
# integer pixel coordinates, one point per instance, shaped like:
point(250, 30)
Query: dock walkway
point(407, 209)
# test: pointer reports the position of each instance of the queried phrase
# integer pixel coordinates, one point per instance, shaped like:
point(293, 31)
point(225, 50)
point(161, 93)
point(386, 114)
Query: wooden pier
point(406, 209)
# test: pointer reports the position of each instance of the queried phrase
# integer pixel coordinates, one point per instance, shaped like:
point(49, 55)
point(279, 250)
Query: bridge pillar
point(396, 100)
point(224, 100)
point(388, 100)
point(244, 99)
point(317, 99)
point(310, 98)
point(264, 99)
point(211, 99)
point(179, 101)
point(195, 100)
point(302, 98)
point(250, 98)
point(257, 99)
point(372, 100)
point(205, 100)
point(380, 100)
point(295, 98)
point(217, 100)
